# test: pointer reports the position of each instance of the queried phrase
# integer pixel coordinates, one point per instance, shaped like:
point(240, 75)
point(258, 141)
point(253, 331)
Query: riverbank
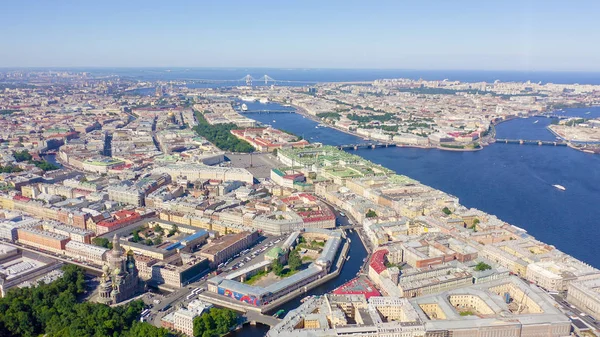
point(591, 148)
point(482, 143)
point(512, 182)
point(301, 111)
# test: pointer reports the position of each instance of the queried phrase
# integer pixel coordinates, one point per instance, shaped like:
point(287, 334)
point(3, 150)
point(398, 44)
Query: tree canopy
point(371, 214)
point(294, 260)
point(147, 330)
point(277, 267)
point(481, 266)
point(52, 310)
point(158, 229)
point(369, 118)
point(22, 156)
point(10, 169)
point(44, 165)
point(174, 230)
point(220, 135)
point(102, 242)
point(333, 115)
point(216, 322)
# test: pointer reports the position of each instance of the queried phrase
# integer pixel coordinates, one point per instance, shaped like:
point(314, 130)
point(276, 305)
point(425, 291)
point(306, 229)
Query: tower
point(120, 278)
point(115, 257)
point(130, 263)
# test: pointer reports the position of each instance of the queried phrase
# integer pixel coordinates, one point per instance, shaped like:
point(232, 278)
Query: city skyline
point(408, 207)
point(531, 36)
point(299, 169)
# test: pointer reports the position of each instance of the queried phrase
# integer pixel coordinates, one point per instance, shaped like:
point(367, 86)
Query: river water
point(349, 271)
point(513, 182)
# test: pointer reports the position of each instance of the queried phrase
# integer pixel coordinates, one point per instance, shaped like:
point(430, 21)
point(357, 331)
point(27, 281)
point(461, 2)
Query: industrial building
point(18, 268)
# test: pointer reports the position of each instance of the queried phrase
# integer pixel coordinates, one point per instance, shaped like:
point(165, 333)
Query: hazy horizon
point(469, 35)
point(41, 67)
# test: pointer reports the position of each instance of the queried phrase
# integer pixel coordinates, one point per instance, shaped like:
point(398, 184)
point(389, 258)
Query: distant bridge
point(365, 146)
point(531, 142)
point(249, 80)
point(553, 115)
point(266, 111)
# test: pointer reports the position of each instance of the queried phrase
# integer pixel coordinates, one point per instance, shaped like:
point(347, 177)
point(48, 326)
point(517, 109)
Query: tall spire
point(116, 245)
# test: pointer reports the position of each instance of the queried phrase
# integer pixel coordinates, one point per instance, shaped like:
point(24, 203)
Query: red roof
point(125, 214)
point(308, 197)
point(290, 199)
point(378, 261)
point(315, 216)
point(293, 176)
point(358, 286)
point(20, 198)
point(84, 192)
point(123, 217)
point(121, 167)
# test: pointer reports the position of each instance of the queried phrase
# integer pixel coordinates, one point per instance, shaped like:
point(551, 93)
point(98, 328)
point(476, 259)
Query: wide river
point(513, 182)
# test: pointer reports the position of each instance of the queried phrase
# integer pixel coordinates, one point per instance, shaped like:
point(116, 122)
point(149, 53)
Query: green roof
point(401, 179)
point(274, 253)
point(278, 172)
point(104, 163)
point(329, 155)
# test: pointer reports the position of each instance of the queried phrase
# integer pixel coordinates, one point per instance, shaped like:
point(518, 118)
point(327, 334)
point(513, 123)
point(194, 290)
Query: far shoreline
point(482, 145)
point(301, 111)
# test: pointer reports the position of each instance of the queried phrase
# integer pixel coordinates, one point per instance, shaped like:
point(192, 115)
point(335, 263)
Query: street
point(259, 164)
point(179, 296)
point(574, 312)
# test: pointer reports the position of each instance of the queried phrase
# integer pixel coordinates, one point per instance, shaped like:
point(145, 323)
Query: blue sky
point(488, 35)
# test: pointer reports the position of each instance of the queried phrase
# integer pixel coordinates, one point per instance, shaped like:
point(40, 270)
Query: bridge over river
point(531, 142)
point(266, 111)
point(365, 146)
point(555, 115)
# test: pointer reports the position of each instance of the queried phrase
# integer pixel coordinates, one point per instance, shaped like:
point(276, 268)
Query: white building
point(555, 275)
point(204, 172)
point(86, 252)
point(584, 294)
point(183, 321)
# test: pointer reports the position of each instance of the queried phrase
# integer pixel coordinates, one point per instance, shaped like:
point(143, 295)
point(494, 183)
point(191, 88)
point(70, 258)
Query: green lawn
point(254, 278)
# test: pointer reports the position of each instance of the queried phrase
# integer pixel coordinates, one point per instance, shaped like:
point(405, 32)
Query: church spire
point(116, 250)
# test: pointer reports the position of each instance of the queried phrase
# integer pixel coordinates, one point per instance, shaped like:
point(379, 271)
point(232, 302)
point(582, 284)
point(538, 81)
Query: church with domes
point(120, 280)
